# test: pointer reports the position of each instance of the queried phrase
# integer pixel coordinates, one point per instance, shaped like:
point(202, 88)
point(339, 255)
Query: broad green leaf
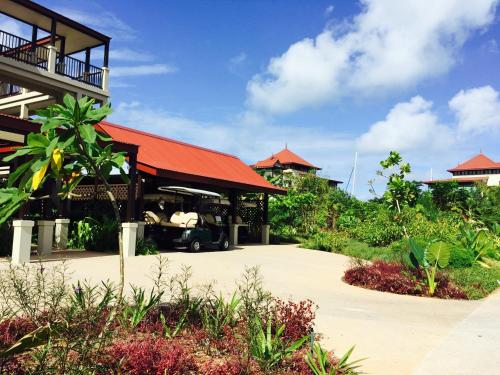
point(19, 152)
point(417, 253)
point(18, 172)
point(104, 137)
point(87, 133)
point(37, 140)
point(439, 252)
point(69, 101)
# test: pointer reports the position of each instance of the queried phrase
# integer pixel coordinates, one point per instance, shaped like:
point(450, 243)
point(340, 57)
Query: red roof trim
point(284, 157)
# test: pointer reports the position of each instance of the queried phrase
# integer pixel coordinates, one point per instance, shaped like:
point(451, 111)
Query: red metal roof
point(170, 158)
point(285, 156)
point(479, 161)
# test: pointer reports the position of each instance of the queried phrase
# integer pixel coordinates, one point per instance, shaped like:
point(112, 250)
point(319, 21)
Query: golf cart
point(195, 229)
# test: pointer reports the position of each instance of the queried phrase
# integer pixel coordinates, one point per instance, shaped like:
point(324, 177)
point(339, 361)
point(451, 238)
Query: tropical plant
point(146, 247)
point(67, 148)
point(320, 363)
point(268, 349)
point(476, 242)
point(139, 306)
point(216, 314)
point(430, 257)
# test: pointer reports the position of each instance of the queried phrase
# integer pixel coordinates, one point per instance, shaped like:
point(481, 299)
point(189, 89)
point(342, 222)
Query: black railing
point(78, 70)
point(23, 50)
point(8, 89)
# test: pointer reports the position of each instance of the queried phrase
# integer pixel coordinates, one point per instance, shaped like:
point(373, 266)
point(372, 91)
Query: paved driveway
point(395, 332)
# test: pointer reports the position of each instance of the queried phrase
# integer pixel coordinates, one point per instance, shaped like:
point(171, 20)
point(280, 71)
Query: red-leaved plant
point(297, 317)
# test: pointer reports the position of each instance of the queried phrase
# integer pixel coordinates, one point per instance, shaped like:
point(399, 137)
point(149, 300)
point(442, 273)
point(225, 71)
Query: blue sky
point(328, 78)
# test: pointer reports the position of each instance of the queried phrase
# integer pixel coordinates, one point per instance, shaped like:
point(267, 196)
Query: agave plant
point(430, 257)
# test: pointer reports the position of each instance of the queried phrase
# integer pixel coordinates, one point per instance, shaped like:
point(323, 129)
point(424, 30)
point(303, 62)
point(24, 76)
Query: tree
point(400, 192)
point(66, 149)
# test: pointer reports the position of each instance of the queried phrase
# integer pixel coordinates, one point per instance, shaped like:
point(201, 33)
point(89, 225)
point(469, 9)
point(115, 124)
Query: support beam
point(62, 233)
point(106, 55)
point(233, 199)
point(265, 208)
point(131, 211)
point(34, 37)
point(53, 30)
point(87, 60)
point(129, 239)
point(45, 236)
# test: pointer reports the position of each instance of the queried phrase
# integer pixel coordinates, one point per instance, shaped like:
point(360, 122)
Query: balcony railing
point(8, 89)
point(25, 51)
point(78, 70)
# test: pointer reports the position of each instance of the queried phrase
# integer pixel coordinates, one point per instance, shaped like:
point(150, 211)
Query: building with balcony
point(56, 60)
point(479, 168)
point(286, 164)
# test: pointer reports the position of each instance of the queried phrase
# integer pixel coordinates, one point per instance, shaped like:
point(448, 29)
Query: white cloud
point(141, 70)
point(14, 27)
point(102, 20)
point(390, 45)
point(477, 110)
point(127, 54)
point(408, 126)
point(329, 10)
point(491, 46)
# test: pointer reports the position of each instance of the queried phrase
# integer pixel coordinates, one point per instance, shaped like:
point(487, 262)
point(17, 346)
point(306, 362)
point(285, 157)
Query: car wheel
point(224, 243)
point(195, 246)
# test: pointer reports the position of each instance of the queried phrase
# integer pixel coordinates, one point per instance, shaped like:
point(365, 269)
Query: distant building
point(288, 163)
point(480, 168)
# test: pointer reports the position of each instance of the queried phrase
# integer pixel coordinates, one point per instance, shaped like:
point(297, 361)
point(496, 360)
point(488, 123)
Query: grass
point(362, 250)
point(476, 281)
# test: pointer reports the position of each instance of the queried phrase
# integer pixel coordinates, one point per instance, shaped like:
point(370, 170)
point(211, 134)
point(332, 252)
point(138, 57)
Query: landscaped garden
point(444, 242)
point(50, 326)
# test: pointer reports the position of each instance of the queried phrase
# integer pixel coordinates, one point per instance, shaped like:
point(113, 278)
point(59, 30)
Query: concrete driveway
point(398, 334)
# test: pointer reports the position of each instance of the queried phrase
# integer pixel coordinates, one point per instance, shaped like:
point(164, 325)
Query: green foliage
point(327, 241)
point(378, 230)
point(145, 247)
point(64, 150)
point(267, 348)
point(94, 235)
point(216, 314)
point(477, 243)
point(139, 306)
point(320, 363)
point(400, 192)
point(430, 257)
point(476, 281)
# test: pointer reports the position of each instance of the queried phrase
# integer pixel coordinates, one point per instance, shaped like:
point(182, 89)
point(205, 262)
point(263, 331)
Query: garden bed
point(399, 279)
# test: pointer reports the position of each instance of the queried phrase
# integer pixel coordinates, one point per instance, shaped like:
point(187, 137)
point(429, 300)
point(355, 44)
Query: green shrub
point(476, 281)
point(145, 247)
point(379, 230)
point(461, 258)
point(327, 241)
point(90, 234)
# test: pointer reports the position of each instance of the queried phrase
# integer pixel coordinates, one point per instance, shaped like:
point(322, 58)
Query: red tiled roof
point(285, 156)
point(479, 161)
point(167, 157)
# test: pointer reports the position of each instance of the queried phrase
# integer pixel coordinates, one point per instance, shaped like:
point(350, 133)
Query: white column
point(51, 62)
point(21, 243)
point(265, 234)
point(45, 236)
point(233, 234)
point(61, 233)
point(129, 239)
point(140, 230)
point(24, 111)
point(105, 79)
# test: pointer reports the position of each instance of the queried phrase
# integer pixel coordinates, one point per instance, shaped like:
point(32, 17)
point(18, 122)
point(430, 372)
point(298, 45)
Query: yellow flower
point(38, 176)
point(57, 159)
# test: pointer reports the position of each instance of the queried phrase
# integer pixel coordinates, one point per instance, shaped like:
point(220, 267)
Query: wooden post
point(53, 27)
point(131, 211)
point(34, 37)
point(106, 55)
point(233, 199)
point(265, 207)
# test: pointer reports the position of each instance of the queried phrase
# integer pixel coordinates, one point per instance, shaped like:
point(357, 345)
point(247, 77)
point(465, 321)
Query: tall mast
point(354, 173)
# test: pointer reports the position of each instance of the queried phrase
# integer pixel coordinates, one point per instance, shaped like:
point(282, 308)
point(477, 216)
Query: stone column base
point(45, 236)
point(21, 243)
point(140, 230)
point(265, 234)
point(129, 239)
point(61, 233)
point(233, 234)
